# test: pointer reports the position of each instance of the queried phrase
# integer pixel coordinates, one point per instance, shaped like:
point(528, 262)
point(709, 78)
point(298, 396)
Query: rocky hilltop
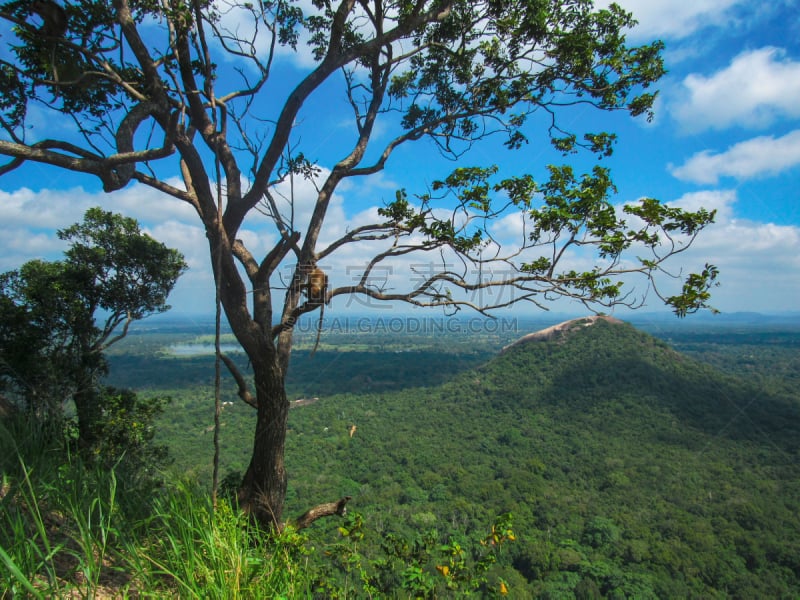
point(561, 329)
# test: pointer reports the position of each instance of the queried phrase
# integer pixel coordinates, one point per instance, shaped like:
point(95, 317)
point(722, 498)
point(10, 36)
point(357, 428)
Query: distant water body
point(201, 349)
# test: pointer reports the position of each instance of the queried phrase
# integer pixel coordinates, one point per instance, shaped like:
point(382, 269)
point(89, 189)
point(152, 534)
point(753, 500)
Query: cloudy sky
point(726, 136)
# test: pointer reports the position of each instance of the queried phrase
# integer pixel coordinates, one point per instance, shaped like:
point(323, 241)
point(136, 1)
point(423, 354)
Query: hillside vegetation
point(630, 470)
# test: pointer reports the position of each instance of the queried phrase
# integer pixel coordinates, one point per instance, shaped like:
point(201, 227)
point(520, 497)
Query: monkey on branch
point(316, 289)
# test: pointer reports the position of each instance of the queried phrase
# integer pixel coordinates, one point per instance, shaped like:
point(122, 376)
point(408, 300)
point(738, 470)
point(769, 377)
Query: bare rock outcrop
point(560, 330)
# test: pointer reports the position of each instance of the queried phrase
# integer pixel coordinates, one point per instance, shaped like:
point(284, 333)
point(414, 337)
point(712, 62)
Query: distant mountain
point(599, 358)
point(632, 470)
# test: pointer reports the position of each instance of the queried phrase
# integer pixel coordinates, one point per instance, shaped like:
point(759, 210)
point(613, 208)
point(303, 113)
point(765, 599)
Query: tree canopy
point(53, 347)
point(212, 92)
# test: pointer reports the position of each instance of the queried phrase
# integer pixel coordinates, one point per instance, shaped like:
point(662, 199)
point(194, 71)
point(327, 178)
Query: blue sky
point(726, 136)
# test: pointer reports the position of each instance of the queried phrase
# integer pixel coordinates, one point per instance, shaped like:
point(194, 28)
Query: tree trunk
point(263, 488)
point(87, 409)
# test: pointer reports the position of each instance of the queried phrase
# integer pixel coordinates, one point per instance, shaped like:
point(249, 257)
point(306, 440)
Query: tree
point(53, 345)
point(201, 89)
point(125, 437)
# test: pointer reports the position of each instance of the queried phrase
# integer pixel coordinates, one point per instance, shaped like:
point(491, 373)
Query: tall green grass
point(27, 552)
point(205, 553)
point(67, 531)
point(70, 529)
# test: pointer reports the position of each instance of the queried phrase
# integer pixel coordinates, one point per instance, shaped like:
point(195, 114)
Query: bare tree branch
point(241, 382)
point(321, 510)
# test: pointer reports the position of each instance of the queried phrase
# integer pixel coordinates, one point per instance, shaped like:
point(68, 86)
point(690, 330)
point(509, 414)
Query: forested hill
point(587, 364)
point(631, 469)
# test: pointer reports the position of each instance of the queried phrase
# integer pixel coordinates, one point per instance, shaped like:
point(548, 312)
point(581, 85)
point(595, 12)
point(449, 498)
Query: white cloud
point(721, 201)
point(190, 239)
point(758, 157)
point(756, 260)
point(513, 228)
point(30, 220)
point(756, 89)
point(50, 208)
point(239, 22)
point(735, 243)
point(676, 19)
point(754, 257)
point(148, 205)
point(20, 246)
point(43, 209)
